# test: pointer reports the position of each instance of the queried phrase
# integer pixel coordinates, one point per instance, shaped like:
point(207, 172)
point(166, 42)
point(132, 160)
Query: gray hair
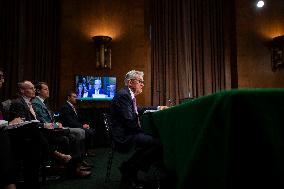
point(132, 75)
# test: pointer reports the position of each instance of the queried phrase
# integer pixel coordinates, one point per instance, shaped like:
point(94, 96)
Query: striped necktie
point(74, 109)
point(49, 113)
point(32, 110)
point(136, 111)
point(135, 105)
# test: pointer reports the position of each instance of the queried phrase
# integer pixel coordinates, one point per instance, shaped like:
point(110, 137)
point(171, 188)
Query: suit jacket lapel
point(126, 89)
point(72, 109)
point(44, 107)
point(29, 114)
point(129, 95)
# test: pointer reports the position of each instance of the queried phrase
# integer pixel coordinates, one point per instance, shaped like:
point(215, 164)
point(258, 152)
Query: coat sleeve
point(141, 110)
point(125, 112)
point(18, 110)
point(40, 112)
point(68, 119)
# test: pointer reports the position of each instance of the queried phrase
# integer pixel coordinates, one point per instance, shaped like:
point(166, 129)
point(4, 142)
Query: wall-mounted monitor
point(95, 87)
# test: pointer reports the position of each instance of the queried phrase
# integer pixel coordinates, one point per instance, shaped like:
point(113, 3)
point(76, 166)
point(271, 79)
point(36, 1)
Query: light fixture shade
point(103, 51)
point(276, 47)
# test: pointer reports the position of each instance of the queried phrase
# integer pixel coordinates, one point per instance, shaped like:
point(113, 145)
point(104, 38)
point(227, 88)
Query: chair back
point(114, 147)
point(108, 130)
point(111, 142)
point(6, 108)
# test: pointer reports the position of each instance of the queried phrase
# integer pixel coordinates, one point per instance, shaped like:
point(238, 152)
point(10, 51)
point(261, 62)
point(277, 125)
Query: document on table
point(149, 111)
point(17, 125)
point(3, 123)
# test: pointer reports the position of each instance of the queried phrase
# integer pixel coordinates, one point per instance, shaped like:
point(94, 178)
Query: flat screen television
point(95, 88)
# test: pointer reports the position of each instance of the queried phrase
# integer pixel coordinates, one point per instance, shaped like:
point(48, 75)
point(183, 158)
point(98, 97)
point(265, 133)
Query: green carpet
point(96, 181)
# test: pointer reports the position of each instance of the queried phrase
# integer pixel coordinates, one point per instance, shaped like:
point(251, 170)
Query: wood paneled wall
point(124, 21)
point(254, 28)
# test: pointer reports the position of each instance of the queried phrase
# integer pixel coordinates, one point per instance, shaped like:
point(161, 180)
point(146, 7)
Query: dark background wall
point(55, 44)
point(254, 28)
point(124, 21)
point(127, 21)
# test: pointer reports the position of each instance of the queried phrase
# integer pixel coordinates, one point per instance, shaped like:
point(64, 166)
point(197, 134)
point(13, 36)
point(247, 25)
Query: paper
point(3, 123)
point(148, 111)
point(14, 126)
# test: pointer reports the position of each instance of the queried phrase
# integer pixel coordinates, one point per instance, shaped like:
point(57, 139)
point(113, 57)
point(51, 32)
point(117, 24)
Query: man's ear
point(22, 91)
point(129, 82)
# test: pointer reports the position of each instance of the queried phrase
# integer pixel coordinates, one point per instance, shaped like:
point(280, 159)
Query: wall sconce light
point(103, 51)
point(276, 47)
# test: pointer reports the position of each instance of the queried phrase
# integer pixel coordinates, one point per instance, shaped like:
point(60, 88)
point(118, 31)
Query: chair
point(44, 164)
point(6, 106)
point(108, 132)
point(113, 149)
point(111, 144)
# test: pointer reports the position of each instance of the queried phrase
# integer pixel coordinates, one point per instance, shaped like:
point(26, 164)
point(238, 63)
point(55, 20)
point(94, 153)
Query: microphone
point(171, 102)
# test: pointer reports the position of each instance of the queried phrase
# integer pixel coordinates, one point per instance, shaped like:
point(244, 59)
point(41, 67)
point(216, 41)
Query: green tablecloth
point(230, 139)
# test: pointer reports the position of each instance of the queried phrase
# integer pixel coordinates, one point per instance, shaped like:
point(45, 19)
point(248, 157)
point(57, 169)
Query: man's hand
point(48, 126)
point(59, 125)
point(163, 107)
point(86, 126)
point(16, 121)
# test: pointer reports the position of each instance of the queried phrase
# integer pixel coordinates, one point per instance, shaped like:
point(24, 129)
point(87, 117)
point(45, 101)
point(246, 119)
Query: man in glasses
point(127, 130)
point(7, 170)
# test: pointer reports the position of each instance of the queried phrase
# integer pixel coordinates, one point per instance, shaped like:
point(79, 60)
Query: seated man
point(70, 117)
point(96, 90)
point(127, 130)
point(45, 116)
point(74, 135)
point(28, 141)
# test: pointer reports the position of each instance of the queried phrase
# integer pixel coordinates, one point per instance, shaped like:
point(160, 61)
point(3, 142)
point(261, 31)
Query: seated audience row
point(44, 137)
point(41, 138)
point(73, 138)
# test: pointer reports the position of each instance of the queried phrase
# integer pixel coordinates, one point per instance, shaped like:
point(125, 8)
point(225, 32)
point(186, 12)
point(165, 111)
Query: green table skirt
point(229, 139)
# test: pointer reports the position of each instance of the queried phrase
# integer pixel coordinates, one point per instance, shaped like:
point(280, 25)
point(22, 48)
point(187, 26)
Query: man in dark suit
point(28, 141)
point(70, 117)
point(95, 89)
point(127, 130)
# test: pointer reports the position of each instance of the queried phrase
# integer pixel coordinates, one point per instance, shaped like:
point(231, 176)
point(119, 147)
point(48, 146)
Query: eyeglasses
point(139, 81)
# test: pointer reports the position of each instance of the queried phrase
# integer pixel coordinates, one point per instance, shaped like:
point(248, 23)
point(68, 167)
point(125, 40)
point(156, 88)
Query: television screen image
point(95, 88)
